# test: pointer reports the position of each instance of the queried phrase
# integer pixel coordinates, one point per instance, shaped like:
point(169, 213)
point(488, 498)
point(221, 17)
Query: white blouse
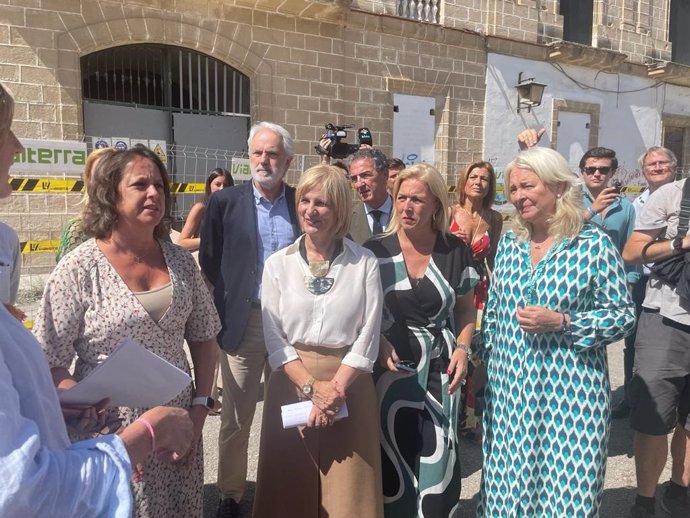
point(349, 314)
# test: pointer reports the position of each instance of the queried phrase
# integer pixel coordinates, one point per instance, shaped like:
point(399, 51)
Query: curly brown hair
point(100, 215)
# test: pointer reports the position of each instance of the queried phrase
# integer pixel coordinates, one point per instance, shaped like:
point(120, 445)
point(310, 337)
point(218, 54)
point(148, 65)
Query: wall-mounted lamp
point(529, 93)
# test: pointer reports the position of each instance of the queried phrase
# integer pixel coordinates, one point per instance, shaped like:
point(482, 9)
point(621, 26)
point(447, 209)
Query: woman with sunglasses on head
point(126, 281)
point(557, 299)
point(321, 311)
point(428, 277)
point(42, 473)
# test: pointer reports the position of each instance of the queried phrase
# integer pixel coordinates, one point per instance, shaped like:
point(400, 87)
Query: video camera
point(340, 149)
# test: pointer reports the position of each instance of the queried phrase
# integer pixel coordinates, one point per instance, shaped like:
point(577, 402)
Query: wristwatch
point(308, 387)
point(206, 401)
point(677, 243)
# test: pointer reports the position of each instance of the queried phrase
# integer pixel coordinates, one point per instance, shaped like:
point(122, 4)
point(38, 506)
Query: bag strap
point(684, 216)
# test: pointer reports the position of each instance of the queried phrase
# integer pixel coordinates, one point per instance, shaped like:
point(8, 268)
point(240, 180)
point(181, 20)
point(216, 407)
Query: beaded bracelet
point(564, 323)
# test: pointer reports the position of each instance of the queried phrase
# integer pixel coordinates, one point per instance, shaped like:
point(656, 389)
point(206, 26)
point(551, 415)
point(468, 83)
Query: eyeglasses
point(602, 169)
point(658, 163)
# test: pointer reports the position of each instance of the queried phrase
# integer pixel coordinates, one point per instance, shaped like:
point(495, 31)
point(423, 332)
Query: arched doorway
point(191, 107)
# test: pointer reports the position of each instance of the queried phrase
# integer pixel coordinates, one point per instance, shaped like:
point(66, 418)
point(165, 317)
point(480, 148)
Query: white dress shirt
point(385, 209)
point(349, 314)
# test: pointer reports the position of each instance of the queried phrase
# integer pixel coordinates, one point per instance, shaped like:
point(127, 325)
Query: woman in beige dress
point(127, 282)
point(321, 312)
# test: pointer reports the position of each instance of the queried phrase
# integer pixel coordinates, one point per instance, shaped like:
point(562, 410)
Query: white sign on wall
point(240, 169)
point(414, 128)
point(50, 156)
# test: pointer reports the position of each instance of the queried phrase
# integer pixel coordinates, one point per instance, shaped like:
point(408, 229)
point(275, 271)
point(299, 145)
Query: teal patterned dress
point(419, 447)
point(546, 419)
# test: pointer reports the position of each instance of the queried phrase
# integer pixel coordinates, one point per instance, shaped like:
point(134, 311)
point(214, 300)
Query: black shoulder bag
point(675, 270)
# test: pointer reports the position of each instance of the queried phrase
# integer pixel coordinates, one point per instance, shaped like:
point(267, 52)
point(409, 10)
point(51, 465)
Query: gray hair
point(659, 149)
point(376, 155)
point(288, 145)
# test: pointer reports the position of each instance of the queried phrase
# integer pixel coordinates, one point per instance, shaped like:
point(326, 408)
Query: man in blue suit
point(242, 227)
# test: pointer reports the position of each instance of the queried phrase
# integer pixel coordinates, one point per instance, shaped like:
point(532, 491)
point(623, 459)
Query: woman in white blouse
point(321, 311)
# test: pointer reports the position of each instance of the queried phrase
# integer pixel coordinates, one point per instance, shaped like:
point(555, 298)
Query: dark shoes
point(228, 508)
point(678, 507)
point(621, 410)
point(637, 511)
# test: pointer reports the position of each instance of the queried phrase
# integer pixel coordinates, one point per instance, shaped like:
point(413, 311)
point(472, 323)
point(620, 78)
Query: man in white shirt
point(368, 169)
point(659, 168)
point(660, 386)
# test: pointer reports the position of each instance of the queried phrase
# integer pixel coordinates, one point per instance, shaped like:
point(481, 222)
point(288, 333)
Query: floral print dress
point(88, 310)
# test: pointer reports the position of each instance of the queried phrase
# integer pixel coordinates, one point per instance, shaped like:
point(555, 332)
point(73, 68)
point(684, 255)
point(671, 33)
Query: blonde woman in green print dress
point(559, 296)
point(428, 277)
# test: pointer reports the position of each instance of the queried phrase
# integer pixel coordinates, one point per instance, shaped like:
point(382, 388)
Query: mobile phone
point(406, 365)
point(617, 184)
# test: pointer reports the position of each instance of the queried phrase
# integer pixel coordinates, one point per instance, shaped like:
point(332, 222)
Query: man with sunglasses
point(368, 169)
point(604, 205)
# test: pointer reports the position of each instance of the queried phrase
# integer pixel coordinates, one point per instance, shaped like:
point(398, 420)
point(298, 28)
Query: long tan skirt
point(330, 472)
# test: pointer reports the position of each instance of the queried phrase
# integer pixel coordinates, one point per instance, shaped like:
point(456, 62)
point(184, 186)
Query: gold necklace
point(479, 221)
point(137, 258)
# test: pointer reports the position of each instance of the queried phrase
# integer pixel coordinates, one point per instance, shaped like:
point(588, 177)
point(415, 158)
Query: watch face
point(306, 389)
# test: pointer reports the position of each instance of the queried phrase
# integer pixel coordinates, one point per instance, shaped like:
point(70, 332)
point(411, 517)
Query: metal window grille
point(158, 76)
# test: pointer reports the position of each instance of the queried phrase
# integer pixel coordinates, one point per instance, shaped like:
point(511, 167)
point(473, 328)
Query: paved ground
point(620, 477)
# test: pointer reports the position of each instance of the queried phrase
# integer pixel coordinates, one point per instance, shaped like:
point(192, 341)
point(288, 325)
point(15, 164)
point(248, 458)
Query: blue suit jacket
point(228, 255)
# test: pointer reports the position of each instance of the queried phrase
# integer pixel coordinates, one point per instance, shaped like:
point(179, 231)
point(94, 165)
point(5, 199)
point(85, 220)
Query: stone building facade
point(314, 61)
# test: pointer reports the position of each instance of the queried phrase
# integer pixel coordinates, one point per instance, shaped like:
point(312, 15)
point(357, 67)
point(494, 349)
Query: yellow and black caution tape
point(187, 188)
point(32, 247)
point(48, 185)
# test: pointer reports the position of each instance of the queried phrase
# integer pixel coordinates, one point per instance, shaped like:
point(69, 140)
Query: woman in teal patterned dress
point(559, 297)
point(428, 277)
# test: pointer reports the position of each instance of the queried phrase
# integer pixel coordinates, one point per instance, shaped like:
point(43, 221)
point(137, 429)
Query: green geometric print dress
point(419, 447)
point(547, 412)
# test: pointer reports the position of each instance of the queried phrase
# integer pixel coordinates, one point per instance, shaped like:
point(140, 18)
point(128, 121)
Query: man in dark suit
point(242, 227)
point(368, 169)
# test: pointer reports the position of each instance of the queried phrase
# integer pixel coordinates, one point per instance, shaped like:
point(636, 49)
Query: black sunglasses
point(602, 169)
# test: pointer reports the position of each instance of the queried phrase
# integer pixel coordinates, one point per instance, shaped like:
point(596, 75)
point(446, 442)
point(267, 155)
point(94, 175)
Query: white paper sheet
point(131, 376)
point(297, 414)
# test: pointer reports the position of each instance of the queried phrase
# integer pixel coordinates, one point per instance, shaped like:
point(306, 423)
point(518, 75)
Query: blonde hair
point(91, 162)
point(552, 169)
point(6, 112)
point(437, 186)
point(333, 184)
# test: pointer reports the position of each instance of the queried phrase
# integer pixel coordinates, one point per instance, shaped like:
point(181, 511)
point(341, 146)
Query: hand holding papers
point(297, 414)
point(131, 376)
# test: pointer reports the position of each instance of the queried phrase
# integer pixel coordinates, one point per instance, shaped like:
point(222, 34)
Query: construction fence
point(44, 202)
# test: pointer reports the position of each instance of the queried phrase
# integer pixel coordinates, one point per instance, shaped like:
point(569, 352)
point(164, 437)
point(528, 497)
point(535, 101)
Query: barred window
point(158, 76)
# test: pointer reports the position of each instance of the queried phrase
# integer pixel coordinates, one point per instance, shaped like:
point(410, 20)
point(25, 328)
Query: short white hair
point(288, 145)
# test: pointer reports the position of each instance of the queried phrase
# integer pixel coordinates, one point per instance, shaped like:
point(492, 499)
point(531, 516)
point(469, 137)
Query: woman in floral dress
point(126, 282)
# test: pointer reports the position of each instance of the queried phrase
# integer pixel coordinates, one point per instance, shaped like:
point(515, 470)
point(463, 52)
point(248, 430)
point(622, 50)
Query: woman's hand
point(327, 397)
point(318, 419)
point(197, 414)
point(387, 355)
point(457, 369)
point(537, 319)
